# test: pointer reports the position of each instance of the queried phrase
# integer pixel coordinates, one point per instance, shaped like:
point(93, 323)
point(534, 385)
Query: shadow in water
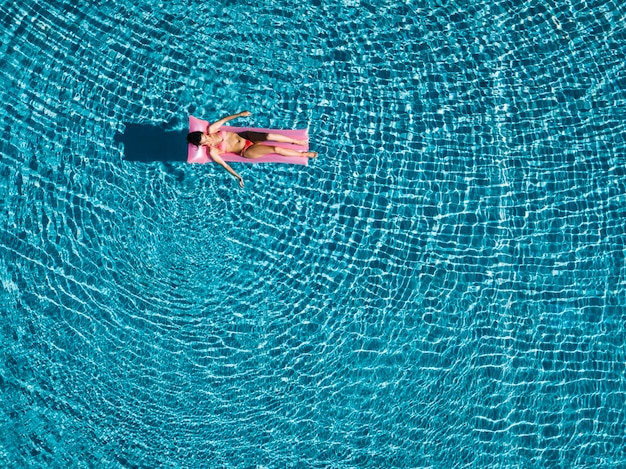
point(147, 143)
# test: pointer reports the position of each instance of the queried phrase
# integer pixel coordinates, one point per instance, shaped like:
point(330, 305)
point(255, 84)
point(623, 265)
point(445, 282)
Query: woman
point(247, 144)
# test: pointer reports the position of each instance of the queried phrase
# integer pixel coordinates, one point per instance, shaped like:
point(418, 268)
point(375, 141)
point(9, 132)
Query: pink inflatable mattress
point(201, 155)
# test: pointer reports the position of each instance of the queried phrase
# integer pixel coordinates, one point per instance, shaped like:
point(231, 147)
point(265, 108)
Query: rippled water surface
point(444, 287)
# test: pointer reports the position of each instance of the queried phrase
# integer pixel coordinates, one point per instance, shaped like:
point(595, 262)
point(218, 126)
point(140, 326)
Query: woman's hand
point(240, 181)
point(245, 113)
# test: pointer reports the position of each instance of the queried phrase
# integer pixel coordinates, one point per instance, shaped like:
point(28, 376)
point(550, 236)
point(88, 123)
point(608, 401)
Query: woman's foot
point(309, 154)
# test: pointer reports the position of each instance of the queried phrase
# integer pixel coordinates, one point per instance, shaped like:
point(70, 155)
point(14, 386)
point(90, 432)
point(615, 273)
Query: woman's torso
point(230, 142)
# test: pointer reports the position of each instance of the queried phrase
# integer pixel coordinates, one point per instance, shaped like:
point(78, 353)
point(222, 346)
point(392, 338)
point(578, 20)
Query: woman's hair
point(194, 138)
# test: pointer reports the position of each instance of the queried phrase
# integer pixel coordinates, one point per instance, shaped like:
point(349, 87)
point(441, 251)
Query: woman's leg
point(258, 150)
point(285, 139)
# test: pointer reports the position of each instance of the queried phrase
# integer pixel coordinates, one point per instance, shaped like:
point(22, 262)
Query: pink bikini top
point(222, 145)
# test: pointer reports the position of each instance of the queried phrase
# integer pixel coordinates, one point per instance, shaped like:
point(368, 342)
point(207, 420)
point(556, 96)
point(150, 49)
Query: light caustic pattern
point(443, 287)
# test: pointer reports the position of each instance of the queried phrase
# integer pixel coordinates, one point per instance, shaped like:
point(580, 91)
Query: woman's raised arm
point(214, 127)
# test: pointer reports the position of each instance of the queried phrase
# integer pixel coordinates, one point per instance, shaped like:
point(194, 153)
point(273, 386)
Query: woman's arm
point(214, 127)
point(215, 155)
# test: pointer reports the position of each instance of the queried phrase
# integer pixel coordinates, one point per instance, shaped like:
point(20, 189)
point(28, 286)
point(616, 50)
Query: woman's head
point(195, 138)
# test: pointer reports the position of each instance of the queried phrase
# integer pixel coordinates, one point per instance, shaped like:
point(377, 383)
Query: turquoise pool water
point(445, 287)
